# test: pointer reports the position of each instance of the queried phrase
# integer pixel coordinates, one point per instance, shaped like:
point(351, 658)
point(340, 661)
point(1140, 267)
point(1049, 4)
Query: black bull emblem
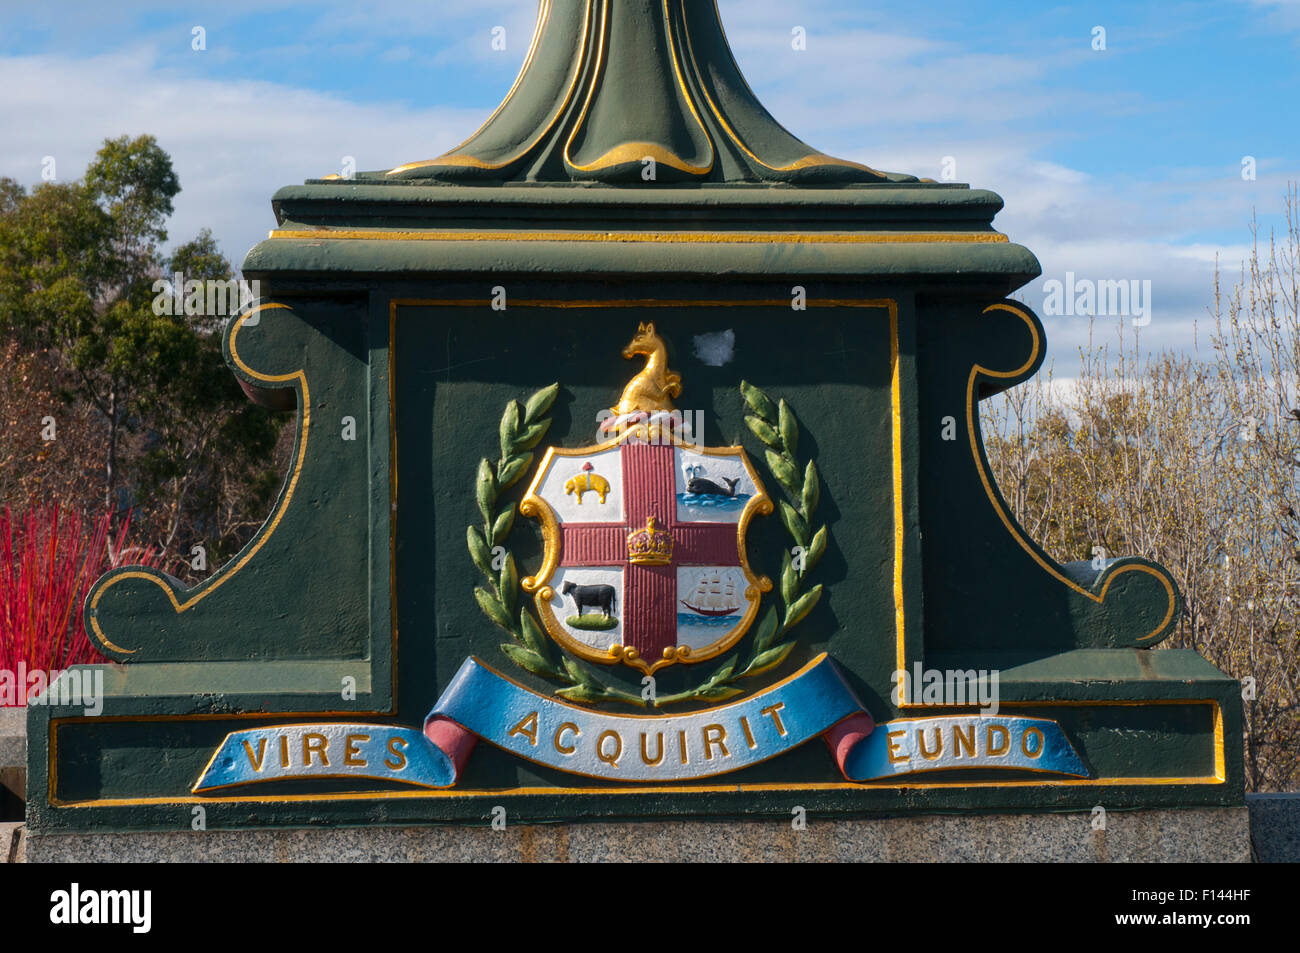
point(598, 597)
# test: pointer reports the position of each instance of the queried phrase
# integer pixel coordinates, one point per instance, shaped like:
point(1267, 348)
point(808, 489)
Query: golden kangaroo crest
point(652, 390)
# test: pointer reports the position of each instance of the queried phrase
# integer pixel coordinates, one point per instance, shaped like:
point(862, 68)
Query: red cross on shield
point(645, 559)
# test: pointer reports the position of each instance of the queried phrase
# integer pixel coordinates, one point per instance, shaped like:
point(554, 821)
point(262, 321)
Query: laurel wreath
point(522, 427)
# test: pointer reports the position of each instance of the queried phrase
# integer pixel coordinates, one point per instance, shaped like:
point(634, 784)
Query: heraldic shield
point(644, 534)
point(645, 558)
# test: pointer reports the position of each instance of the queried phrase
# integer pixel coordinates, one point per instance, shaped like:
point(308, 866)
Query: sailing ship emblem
point(657, 572)
point(713, 598)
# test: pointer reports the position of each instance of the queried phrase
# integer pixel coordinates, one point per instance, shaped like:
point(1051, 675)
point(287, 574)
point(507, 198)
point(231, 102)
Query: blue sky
point(1120, 164)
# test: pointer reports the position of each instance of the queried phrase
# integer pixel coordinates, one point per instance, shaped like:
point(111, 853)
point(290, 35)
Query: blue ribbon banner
point(648, 748)
point(381, 752)
point(480, 703)
point(915, 745)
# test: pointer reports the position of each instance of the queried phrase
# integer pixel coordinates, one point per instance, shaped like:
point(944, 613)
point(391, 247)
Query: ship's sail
point(713, 597)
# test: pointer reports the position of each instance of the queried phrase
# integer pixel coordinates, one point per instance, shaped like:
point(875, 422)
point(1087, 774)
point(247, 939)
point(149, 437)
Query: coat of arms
point(645, 558)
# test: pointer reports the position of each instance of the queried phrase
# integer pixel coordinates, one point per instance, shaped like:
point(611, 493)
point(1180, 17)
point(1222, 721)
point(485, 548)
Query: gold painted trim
point(456, 159)
point(536, 507)
point(1219, 777)
point(896, 398)
point(1011, 525)
point(659, 238)
point(216, 582)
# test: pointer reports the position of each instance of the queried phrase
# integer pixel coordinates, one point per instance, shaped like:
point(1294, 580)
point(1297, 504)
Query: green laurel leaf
point(492, 608)
point(718, 693)
point(513, 469)
point(478, 551)
point(724, 673)
point(485, 490)
point(764, 431)
point(770, 659)
point(794, 523)
point(577, 673)
point(789, 580)
point(784, 471)
point(815, 550)
point(508, 585)
point(585, 694)
point(767, 629)
point(540, 402)
point(789, 429)
point(758, 402)
point(795, 614)
point(811, 490)
point(531, 632)
point(505, 521)
point(509, 427)
point(532, 436)
point(527, 659)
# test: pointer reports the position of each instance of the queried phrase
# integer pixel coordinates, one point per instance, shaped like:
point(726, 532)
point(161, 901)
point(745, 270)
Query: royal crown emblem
point(651, 546)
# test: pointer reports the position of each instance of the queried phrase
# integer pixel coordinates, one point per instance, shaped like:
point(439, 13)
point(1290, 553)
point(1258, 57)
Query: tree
point(78, 262)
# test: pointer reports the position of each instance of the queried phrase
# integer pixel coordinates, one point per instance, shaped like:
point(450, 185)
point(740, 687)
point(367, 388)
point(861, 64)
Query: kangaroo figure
point(652, 390)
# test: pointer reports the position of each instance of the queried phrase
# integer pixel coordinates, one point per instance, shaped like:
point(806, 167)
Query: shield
point(645, 559)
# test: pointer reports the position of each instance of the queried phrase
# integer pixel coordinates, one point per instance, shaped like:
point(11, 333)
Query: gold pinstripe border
point(638, 237)
point(1219, 777)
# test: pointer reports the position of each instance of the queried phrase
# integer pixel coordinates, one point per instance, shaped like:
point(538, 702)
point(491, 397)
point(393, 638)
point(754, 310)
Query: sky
point(1117, 160)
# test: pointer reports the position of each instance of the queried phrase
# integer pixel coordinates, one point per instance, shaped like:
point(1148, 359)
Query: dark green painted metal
point(354, 584)
point(608, 83)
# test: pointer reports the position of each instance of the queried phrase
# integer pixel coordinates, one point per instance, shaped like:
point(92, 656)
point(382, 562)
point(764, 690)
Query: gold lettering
point(659, 749)
point(609, 759)
point(527, 728)
point(351, 753)
point(681, 740)
point(1024, 746)
point(895, 757)
point(772, 711)
point(960, 740)
point(313, 743)
point(559, 746)
point(749, 735)
point(284, 751)
point(996, 750)
point(256, 762)
point(715, 735)
point(397, 748)
point(938, 738)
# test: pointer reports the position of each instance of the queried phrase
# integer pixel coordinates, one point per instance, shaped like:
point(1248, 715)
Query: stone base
point(1195, 835)
point(1275, 827)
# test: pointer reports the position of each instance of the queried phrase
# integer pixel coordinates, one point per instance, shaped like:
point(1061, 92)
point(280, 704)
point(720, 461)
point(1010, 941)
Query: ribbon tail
point(454, 742)
point(846, 735)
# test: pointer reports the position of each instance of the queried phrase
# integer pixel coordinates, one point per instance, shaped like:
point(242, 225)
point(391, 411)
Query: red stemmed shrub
point(49, 557)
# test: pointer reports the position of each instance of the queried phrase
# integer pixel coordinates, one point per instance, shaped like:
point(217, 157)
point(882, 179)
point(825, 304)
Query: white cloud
point(233, 142)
